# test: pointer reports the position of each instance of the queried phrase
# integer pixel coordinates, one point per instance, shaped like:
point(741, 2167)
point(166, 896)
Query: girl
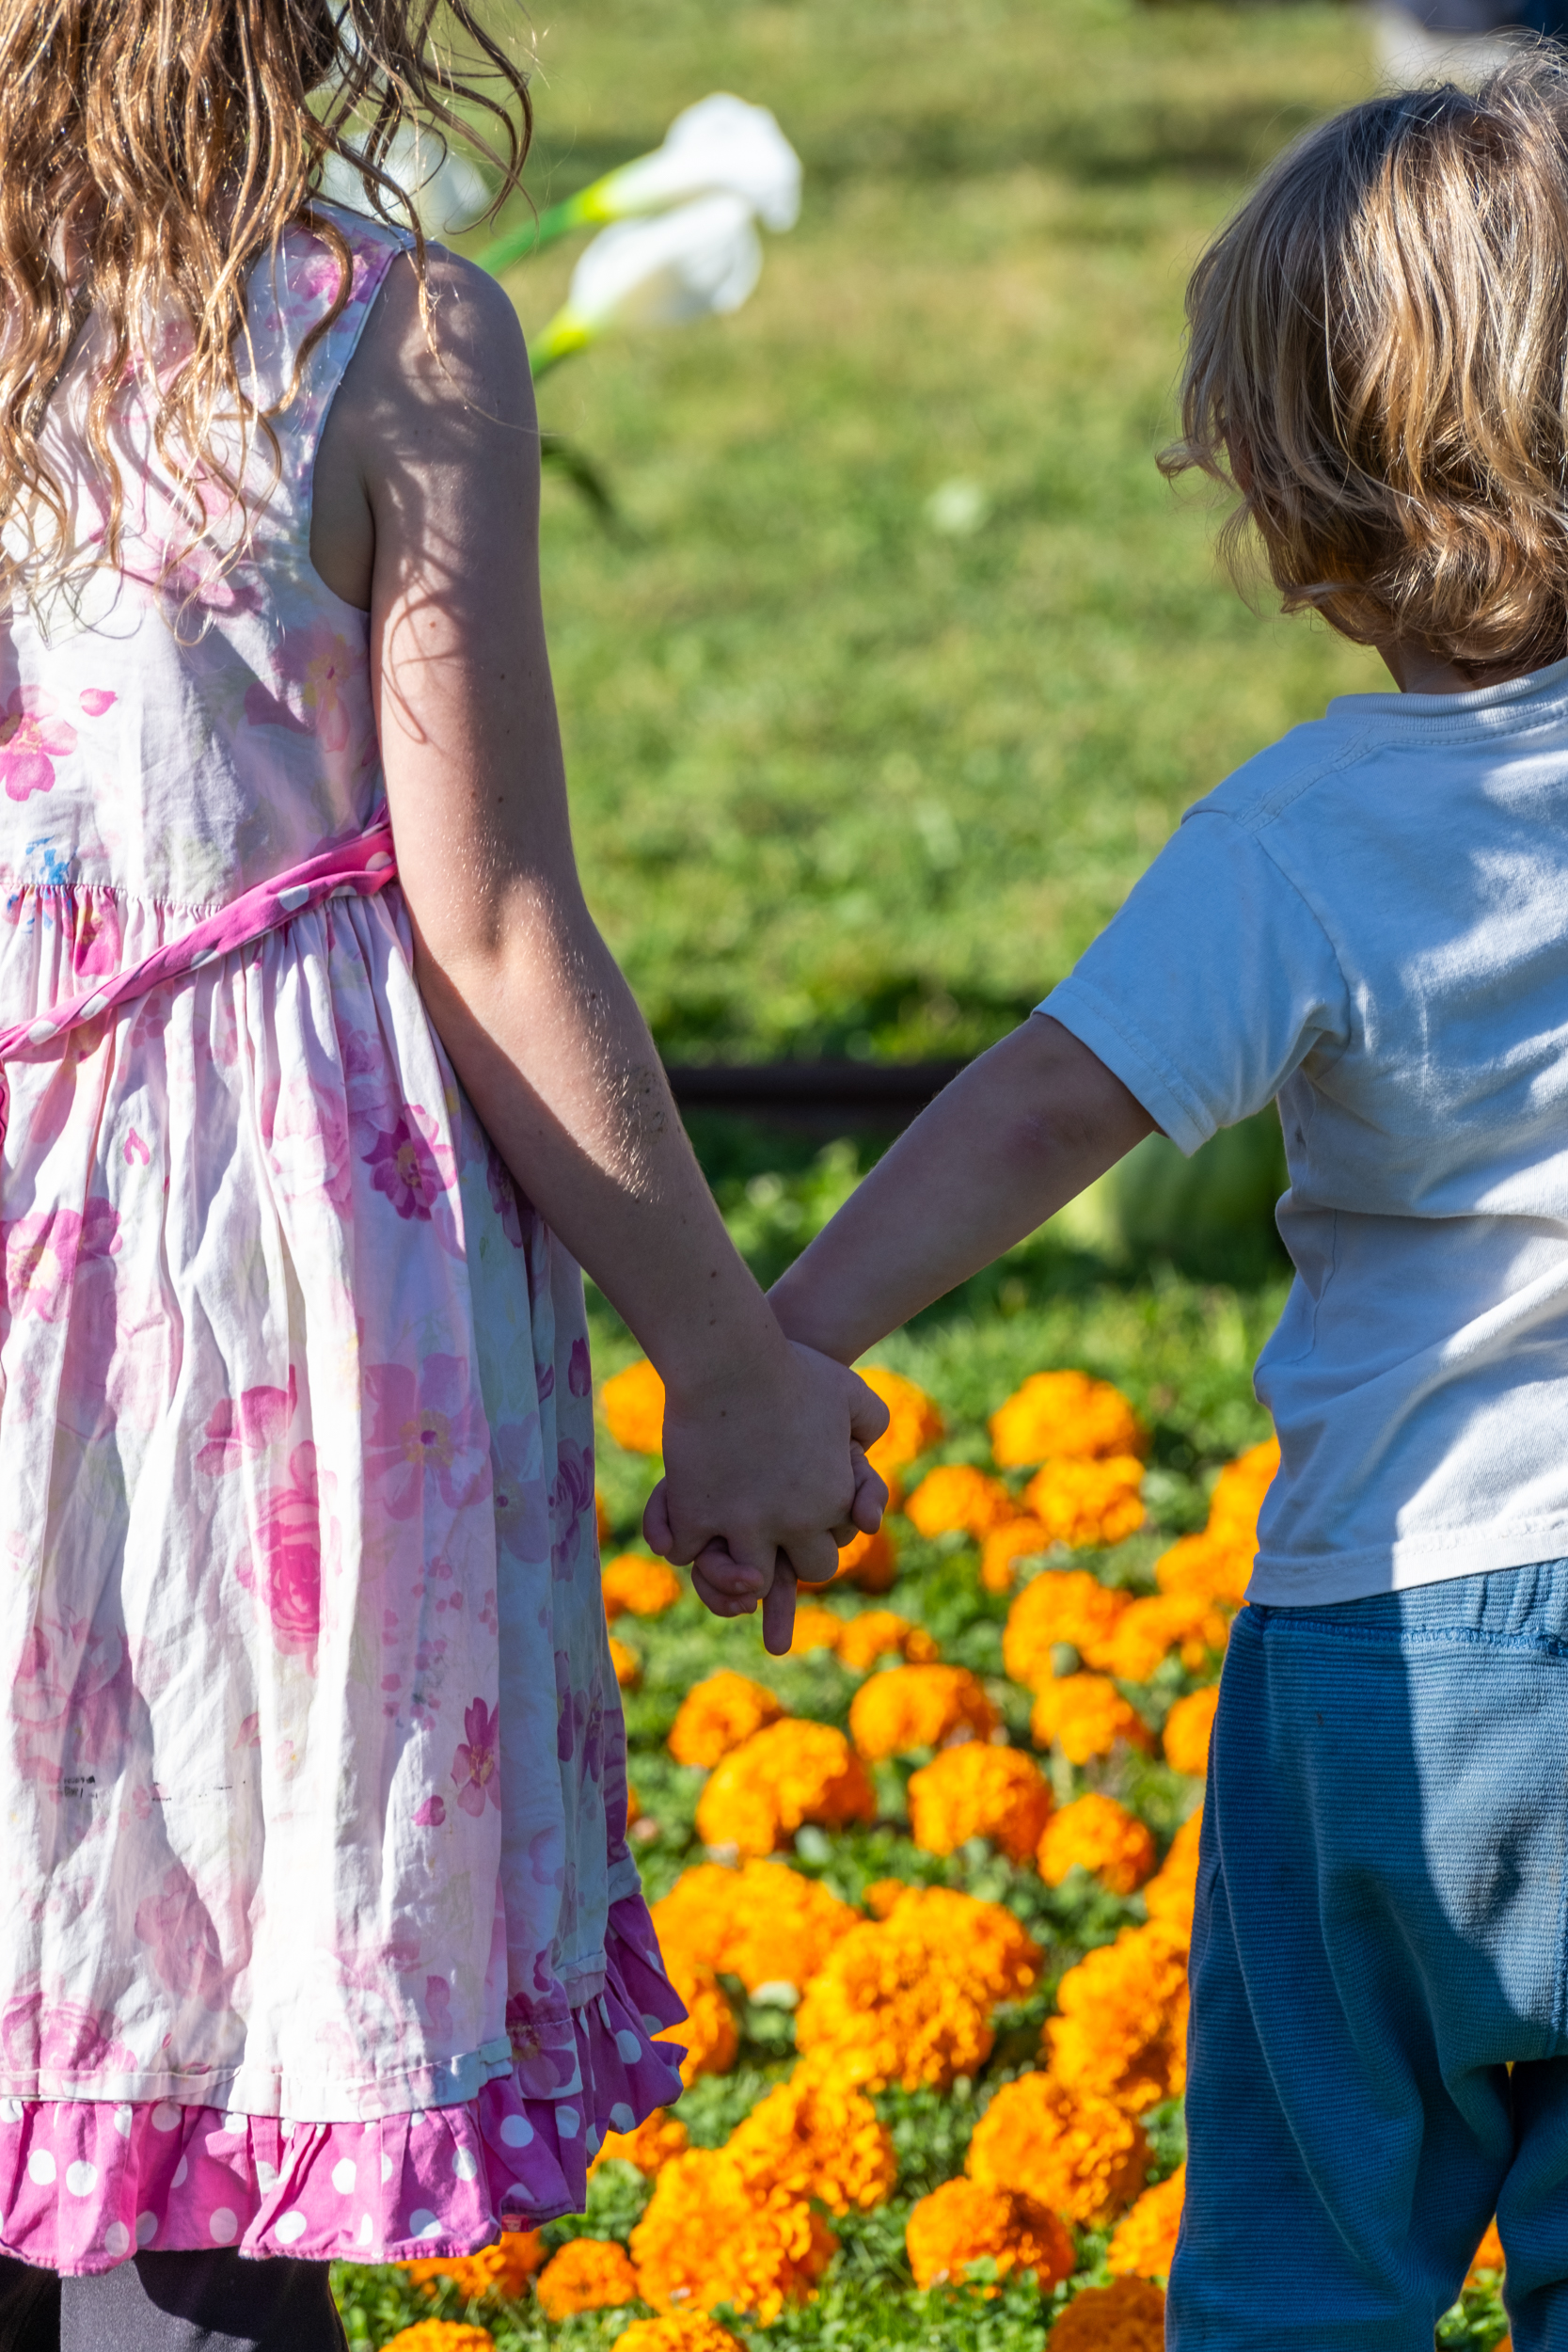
point(323, 1939)
point(1369, 921)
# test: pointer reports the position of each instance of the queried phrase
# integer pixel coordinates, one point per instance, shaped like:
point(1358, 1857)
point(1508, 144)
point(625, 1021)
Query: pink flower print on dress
point(522, 1520)
point(569, 1705)
point(405, 1168)
point(41, 1251)
point(31, 740)
point(296, 1534)
point(318, 670)
point(431, 1813)
point(185, 1951)
point(571, 1499)
point(428, 1426)
point(476, 1767)
point(505, 1198)
point(259, 1419)
point(62, 2038)
point(96, 700)
point(310, 1150)
point(580, 1377)
point(96, 944)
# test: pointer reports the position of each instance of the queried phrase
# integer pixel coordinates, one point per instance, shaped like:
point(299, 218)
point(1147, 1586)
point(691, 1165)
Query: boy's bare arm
point(1008, 1143)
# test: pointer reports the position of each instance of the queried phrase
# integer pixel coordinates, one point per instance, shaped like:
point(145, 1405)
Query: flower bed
point(926, 1887)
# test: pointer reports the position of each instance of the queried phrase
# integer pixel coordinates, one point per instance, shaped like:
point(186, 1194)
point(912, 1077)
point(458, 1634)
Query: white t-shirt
point(1369, 920)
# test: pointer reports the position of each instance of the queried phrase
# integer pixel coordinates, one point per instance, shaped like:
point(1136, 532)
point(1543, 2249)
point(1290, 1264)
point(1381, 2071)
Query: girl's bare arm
point(426, 511)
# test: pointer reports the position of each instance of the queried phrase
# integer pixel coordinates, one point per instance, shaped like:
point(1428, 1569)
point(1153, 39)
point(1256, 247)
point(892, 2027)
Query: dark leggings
point(172, 2303)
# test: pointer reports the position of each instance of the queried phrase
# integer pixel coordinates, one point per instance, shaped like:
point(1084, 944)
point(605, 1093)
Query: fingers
point(813, 1558)
point(778, 1611)
point(658, 1533)
point(871, 1494)
point(868, 1415)
point(727, 1586)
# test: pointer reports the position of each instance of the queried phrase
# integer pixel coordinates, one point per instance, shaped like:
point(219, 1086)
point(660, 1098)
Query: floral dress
point(322, 1935)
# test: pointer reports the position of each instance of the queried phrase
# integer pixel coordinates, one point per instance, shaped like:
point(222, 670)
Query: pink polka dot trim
point(92, 2182)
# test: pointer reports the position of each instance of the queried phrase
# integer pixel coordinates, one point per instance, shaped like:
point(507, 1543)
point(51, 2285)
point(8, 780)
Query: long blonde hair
point(151, 149)
point(1378, 362)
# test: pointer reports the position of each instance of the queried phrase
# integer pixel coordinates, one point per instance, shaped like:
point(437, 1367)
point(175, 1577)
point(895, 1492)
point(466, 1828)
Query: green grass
point(840, 782)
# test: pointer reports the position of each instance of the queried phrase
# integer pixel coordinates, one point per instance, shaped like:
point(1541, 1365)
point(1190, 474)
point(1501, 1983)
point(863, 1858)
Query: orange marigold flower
point(815, 2136)
point(706, 2239)
point(502, 2269)
point(1129, 2315)
point(1063, 1605)
point(1121, 2031)
point(634, 1806)
point(1098, 1834)
point(882, 1894)
point(589, 2273)
point(1087, 1504)
point(1488, 2256)
point(909, 2000)
point(1185, 1738)
point(1239, 1493)
point(633, 1407)
point(441, 2335)
point(1144, 2239)
point(1085, 1715)
point(649, 2144)
point(918, 1706)
point(716, 1715)
point(958, 1498)
point(876, 1631)
point(815, 1629)
point(1016, 1539)
point(1148, 1631)
point(708, 2033)
point(763, 1791)
point(625, 1664)
point(868, 1561)
point(676, 2331)
point(1171, 1892)
point(976, 1791)
point(1064, 1413)
point(1201, 1568)
point(1083, 2157)
point(765, 1924)
point(999, 1958)
point(642, 1586)
point(961, 2223)
point(915, 1422)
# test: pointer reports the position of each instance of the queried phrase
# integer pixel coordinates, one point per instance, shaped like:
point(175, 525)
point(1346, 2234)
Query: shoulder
point(1281, 779)
point(459, 351)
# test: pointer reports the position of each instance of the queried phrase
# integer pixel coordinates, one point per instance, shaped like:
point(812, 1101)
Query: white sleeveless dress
point(322, 1933)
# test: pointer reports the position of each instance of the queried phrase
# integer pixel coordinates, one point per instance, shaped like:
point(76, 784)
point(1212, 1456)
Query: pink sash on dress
point(348, 869)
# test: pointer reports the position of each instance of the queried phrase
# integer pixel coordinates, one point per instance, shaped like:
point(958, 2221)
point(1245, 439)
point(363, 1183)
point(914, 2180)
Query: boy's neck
point(1417, 670)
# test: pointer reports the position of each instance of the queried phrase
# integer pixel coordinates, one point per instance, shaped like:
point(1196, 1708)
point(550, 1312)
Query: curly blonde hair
point(1377, 362)
point(151, 150)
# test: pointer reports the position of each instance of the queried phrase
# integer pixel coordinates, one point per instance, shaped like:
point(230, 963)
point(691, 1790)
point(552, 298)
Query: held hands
point(764, 1476)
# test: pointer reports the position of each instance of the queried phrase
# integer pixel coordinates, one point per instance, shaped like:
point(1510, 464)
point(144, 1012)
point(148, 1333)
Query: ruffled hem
point(85, 2184)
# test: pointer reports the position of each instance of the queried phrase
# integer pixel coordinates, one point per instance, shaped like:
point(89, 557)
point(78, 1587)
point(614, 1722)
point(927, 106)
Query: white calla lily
point(448, 191)
point(720, 145)
point(697, 258)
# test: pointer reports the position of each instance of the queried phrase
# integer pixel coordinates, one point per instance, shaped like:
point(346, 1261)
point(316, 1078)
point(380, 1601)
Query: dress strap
point(356, 868)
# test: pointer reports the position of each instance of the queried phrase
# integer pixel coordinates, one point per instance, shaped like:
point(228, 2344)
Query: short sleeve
point(1211, 986)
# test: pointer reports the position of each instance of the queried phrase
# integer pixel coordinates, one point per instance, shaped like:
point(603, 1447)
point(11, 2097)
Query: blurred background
point(901, 661)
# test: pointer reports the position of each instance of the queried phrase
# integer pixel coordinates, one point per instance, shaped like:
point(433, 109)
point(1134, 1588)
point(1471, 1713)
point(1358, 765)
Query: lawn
point(843, 781)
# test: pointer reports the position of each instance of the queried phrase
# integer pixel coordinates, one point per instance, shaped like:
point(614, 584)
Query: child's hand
point(765, 1475)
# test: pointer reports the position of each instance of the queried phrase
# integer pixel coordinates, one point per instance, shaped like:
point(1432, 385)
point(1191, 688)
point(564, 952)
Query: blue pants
point(1379, 2047)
